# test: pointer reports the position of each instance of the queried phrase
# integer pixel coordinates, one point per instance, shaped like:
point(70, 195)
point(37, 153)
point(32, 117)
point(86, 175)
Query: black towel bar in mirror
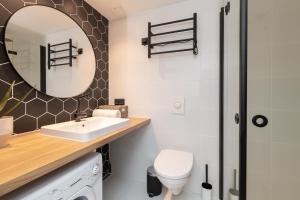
point(72, 53)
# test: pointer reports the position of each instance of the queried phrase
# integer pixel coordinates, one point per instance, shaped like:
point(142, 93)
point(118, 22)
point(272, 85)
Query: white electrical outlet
point(178, 105)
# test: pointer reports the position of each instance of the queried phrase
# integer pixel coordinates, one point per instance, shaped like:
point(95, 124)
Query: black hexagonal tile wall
point(29, 1)
point(101, 102)
point(88, 8)
point(97, 93)
point(84, 104)
point(87, 28)
point(39, 109)
point(94, 84)
point(58, 1)
point(78, 21)
point(18, 112)
point(97, 73)
point(97, 34)
point(12, 6)
point(1, 32)
point(55, 106)
point(3, 56)
point(45, 2)
point(101, 83)
point(98, 16)
point(46, 119)
point(104, 93)
point(4, 15)
point(44, 97)
point(36, 108)
point(79, 2)
point(63, 117)
point(101, 45)
point(105, 37)
point(101, 27)
point(70, 6)
point(97, 54)
point(3, 88)
point(93, 103)
point(89, 92)
point(8, 74)
point(21, 89)
point(105, 75)
point(82, 13)
point(92, 20)
point(62, 8)
point(93, 41)
point(70, 105)
point(101, 65)
point(105, 56)
point(24, 124)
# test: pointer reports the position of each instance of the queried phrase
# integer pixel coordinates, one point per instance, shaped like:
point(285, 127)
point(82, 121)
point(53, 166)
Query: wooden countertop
point(32, 155)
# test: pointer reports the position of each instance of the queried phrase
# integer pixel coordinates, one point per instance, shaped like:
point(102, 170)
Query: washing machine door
point(85, 193)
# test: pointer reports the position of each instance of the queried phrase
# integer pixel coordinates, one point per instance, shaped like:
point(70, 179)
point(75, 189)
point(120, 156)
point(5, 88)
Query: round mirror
point(50, 51)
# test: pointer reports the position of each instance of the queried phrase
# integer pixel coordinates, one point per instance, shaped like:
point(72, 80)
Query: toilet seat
point(173, 164)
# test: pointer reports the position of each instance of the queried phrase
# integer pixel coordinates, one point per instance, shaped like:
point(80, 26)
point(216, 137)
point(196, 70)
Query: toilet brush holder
point(206, 187)
point(233, 192)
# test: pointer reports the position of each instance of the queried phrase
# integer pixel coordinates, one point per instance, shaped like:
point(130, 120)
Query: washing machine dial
point(96, 169)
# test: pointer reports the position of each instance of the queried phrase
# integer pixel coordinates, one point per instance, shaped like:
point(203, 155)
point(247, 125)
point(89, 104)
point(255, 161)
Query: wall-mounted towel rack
point(148, 41)
point(70, 48)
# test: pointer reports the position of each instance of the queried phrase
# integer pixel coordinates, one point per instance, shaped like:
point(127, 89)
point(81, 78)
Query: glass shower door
point(231, 100)
point(273, 146)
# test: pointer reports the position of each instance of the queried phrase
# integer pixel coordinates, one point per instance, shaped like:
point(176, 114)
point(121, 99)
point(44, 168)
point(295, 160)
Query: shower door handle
point(260, 121)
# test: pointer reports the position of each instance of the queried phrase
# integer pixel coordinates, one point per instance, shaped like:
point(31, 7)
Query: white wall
point(148, 85)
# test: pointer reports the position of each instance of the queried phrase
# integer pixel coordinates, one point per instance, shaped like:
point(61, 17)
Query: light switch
point(178, 105)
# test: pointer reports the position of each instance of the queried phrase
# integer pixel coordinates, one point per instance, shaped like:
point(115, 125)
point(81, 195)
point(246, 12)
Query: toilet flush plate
point(178, 105)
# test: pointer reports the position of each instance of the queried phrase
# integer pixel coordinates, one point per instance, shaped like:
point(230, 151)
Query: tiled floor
point(115, 188)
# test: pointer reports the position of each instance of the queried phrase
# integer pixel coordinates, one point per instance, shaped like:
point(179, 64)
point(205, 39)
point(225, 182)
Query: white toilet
point(173, 169)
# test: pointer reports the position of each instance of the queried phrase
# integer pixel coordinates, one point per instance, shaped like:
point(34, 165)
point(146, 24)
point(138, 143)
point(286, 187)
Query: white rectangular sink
point(85, 130)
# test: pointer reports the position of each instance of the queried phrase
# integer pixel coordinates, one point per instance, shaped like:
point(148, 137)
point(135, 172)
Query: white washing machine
point(79, 180)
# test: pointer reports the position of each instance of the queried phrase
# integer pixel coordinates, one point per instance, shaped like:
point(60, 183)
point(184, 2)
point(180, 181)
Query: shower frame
point(243, 98)
point(242, 117)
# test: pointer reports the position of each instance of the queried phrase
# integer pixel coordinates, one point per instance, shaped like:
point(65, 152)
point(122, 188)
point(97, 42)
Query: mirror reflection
point(57, 59)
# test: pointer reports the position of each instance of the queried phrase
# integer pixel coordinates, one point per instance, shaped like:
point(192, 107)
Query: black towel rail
point(171, 42)
point(171, 32)
point(52, 60)
point(148, 41)
point(171, 51)
point(174, 22)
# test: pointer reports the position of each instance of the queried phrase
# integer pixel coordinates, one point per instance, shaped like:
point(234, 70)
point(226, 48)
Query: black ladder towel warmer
point(148, 41)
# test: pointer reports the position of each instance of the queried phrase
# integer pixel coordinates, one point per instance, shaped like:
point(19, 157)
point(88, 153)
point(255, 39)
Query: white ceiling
point(117, 9)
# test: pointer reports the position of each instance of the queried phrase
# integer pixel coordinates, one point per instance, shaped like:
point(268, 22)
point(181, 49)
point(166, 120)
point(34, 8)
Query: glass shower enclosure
point(261, 100)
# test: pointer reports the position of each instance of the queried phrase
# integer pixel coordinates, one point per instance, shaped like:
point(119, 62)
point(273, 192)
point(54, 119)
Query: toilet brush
point(206, 187)
point(233, 192)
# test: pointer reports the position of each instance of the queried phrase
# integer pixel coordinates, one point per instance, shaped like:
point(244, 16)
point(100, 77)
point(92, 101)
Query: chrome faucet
point(78, 115)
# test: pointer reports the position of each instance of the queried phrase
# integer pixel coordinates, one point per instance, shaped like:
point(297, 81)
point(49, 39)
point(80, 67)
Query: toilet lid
point(173, 164)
